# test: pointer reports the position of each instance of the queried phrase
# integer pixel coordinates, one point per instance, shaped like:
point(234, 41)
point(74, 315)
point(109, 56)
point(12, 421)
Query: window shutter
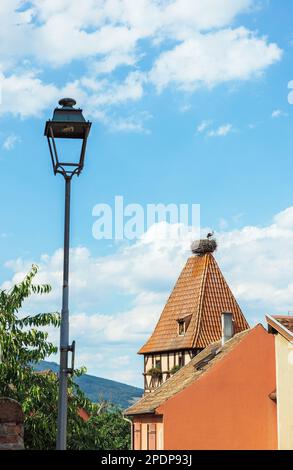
point(152, 437)
point(137, 436)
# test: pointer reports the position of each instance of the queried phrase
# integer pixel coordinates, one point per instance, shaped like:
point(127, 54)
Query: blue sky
point(189, 103)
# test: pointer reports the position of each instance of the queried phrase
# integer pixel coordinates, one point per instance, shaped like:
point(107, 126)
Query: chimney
point(227, 327)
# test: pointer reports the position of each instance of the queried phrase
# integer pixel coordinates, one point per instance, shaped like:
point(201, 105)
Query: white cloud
point(254, 260)
point(27, 95)
point(92, 278)
point(204, 14)
point(221, 131)
point(127, 327)
point(203, 126)
point(130, 269)
point(290, 95)
point(134, 123)
point(277, 113)
point(10, 142)
point(108, 94)
point(106, 34)
point(60, 31)
point(109, 63)
point(260, 270)
point(214, 58)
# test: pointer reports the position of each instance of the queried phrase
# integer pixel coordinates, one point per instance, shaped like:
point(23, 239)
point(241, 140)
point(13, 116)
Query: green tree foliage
point(23, 343)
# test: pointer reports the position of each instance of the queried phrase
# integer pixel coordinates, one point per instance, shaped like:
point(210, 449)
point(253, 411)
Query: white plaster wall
point(284, 371)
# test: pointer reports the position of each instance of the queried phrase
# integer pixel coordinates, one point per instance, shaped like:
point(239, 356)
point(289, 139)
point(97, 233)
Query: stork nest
point(201, 247)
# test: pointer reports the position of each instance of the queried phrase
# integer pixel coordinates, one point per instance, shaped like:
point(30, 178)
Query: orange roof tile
point(202, 293)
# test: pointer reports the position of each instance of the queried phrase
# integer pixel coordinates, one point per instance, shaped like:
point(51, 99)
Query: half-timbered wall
point(165, 361)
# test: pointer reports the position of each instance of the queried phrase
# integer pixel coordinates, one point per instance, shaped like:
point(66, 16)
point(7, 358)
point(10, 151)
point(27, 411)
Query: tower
point(191, 318)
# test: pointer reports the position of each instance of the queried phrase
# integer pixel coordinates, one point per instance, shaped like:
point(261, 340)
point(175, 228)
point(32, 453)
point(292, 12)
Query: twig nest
point(201, 247)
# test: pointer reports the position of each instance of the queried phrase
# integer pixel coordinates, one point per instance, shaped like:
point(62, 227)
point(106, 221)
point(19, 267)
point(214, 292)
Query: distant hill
point(97, 388)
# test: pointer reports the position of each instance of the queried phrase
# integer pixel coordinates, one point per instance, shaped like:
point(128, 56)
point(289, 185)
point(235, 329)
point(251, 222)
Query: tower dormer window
point(183, 323)
point(181, 327)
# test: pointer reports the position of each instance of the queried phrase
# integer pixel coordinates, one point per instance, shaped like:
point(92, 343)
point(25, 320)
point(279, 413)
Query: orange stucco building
point(219, 400)
point(209, 378)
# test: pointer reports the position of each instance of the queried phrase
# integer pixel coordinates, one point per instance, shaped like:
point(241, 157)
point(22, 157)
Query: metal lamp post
point(67, 123)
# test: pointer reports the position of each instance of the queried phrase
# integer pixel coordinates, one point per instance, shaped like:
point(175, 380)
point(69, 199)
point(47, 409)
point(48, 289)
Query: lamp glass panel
point(69, 150)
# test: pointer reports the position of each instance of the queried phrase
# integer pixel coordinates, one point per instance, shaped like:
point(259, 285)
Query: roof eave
point(287, 334)
point(164, 351)
point(136, 413)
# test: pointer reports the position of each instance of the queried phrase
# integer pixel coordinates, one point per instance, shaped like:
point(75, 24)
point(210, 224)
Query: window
point(158, 364)
point(181, 360)
point(181, 327)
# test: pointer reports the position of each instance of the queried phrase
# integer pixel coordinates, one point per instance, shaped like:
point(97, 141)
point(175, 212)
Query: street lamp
point(67, 123)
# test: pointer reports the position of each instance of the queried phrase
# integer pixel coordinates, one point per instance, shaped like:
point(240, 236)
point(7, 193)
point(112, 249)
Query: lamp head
point(67, 123)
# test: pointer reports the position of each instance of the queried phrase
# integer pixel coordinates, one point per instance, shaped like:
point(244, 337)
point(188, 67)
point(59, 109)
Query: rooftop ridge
point(197, 330)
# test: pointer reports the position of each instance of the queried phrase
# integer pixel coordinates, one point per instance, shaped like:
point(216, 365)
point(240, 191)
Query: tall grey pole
point(64, 331)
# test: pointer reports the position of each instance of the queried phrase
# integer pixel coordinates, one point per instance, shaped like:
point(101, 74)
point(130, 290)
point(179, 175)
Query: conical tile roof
point(200, 295)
